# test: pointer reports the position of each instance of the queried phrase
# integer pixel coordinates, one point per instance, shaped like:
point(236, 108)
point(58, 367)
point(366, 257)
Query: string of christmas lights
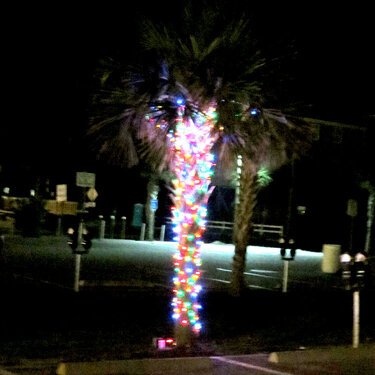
point(191, 143)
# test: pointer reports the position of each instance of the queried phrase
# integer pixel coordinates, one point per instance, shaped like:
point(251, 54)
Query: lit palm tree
point(187, 78)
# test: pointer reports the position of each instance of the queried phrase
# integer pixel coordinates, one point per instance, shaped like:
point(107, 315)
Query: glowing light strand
point(191, 143)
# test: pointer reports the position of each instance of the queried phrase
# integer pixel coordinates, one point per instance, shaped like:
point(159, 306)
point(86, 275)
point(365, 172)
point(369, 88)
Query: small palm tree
point(267, 137)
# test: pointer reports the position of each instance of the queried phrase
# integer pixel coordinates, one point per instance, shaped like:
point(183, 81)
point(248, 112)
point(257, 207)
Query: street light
point(353, 275)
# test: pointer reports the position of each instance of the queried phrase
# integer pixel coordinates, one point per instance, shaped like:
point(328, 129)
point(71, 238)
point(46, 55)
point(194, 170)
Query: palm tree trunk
point(152, 193)
point(370, 220)
point(243, 223)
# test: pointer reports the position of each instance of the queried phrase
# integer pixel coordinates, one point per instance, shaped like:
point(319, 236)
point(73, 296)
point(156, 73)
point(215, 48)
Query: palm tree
point(266, 138)
point(117, 142)
point(188, 78)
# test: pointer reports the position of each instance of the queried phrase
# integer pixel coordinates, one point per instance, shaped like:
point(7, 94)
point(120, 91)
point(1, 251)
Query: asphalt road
point(257, 364)
point(128, 262)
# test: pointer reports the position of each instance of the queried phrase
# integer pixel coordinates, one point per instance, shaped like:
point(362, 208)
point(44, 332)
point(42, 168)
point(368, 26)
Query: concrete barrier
point(329, 354)
point(165, 366)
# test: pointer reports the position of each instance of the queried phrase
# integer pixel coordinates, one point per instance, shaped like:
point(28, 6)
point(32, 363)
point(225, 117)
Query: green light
point(264, 177)
point(190, 237)
point(180, 293)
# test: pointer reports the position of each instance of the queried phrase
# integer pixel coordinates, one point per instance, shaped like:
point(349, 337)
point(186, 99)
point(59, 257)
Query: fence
point(228, 226)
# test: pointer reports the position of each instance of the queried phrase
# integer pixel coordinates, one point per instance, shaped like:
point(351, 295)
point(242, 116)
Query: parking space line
point(249, 366)
point(219, 280)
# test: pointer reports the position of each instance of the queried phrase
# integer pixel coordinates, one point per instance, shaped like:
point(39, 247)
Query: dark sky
point(51, 53)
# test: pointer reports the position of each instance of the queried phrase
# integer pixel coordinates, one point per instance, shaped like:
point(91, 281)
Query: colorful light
point(191, 143)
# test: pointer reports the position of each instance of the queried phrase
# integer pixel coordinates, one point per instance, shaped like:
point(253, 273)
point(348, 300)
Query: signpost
point(86, 180)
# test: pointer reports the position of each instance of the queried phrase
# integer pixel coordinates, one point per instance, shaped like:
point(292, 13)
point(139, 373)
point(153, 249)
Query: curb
point(329, 354)
point(165, 366)
point(4, 372)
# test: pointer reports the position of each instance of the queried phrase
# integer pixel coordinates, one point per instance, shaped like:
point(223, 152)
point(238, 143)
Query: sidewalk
point(324, 360)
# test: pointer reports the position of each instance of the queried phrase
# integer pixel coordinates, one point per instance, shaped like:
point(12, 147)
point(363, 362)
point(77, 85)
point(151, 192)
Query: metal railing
point(227, 225)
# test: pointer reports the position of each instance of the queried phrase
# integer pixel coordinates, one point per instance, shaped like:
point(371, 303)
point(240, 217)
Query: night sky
point(51, 53)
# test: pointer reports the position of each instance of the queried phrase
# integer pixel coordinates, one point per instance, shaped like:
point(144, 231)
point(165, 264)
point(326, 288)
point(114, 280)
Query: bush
point(30, 218)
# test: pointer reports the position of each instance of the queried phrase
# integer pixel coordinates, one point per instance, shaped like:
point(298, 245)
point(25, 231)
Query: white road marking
point(264, 271)
point(264, 276)
point(221, 281)
point(252, 273)
point(248, 365)
point(223, 269)
point(260, 287)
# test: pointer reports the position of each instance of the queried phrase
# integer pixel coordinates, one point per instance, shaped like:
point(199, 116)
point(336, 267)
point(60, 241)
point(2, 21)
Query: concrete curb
point(329, 354)
point(4, 372)
point(165, 366)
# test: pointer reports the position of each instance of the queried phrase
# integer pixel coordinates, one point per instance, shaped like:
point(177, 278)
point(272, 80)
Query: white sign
point(92, 194)
point(61, 193)
point(90, 204)
point(85, 179)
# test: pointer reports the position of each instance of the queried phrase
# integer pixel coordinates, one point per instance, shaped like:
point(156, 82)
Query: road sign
point(85, 179)
point(90, 204)
point(61, 193)
point(154, 204)
point(92, 194)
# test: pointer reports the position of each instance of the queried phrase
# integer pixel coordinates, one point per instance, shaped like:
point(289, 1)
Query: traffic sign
point(154, 204)
point(92, 194)
point(85, 179)
point(61, 193)
point(89, 204)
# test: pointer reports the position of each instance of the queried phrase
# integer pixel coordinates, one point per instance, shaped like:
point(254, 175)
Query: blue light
point(180, 101)
point(254, 112)
point(197, 326)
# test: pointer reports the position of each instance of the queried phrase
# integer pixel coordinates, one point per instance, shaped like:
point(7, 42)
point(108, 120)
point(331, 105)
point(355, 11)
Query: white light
point(345, 258)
